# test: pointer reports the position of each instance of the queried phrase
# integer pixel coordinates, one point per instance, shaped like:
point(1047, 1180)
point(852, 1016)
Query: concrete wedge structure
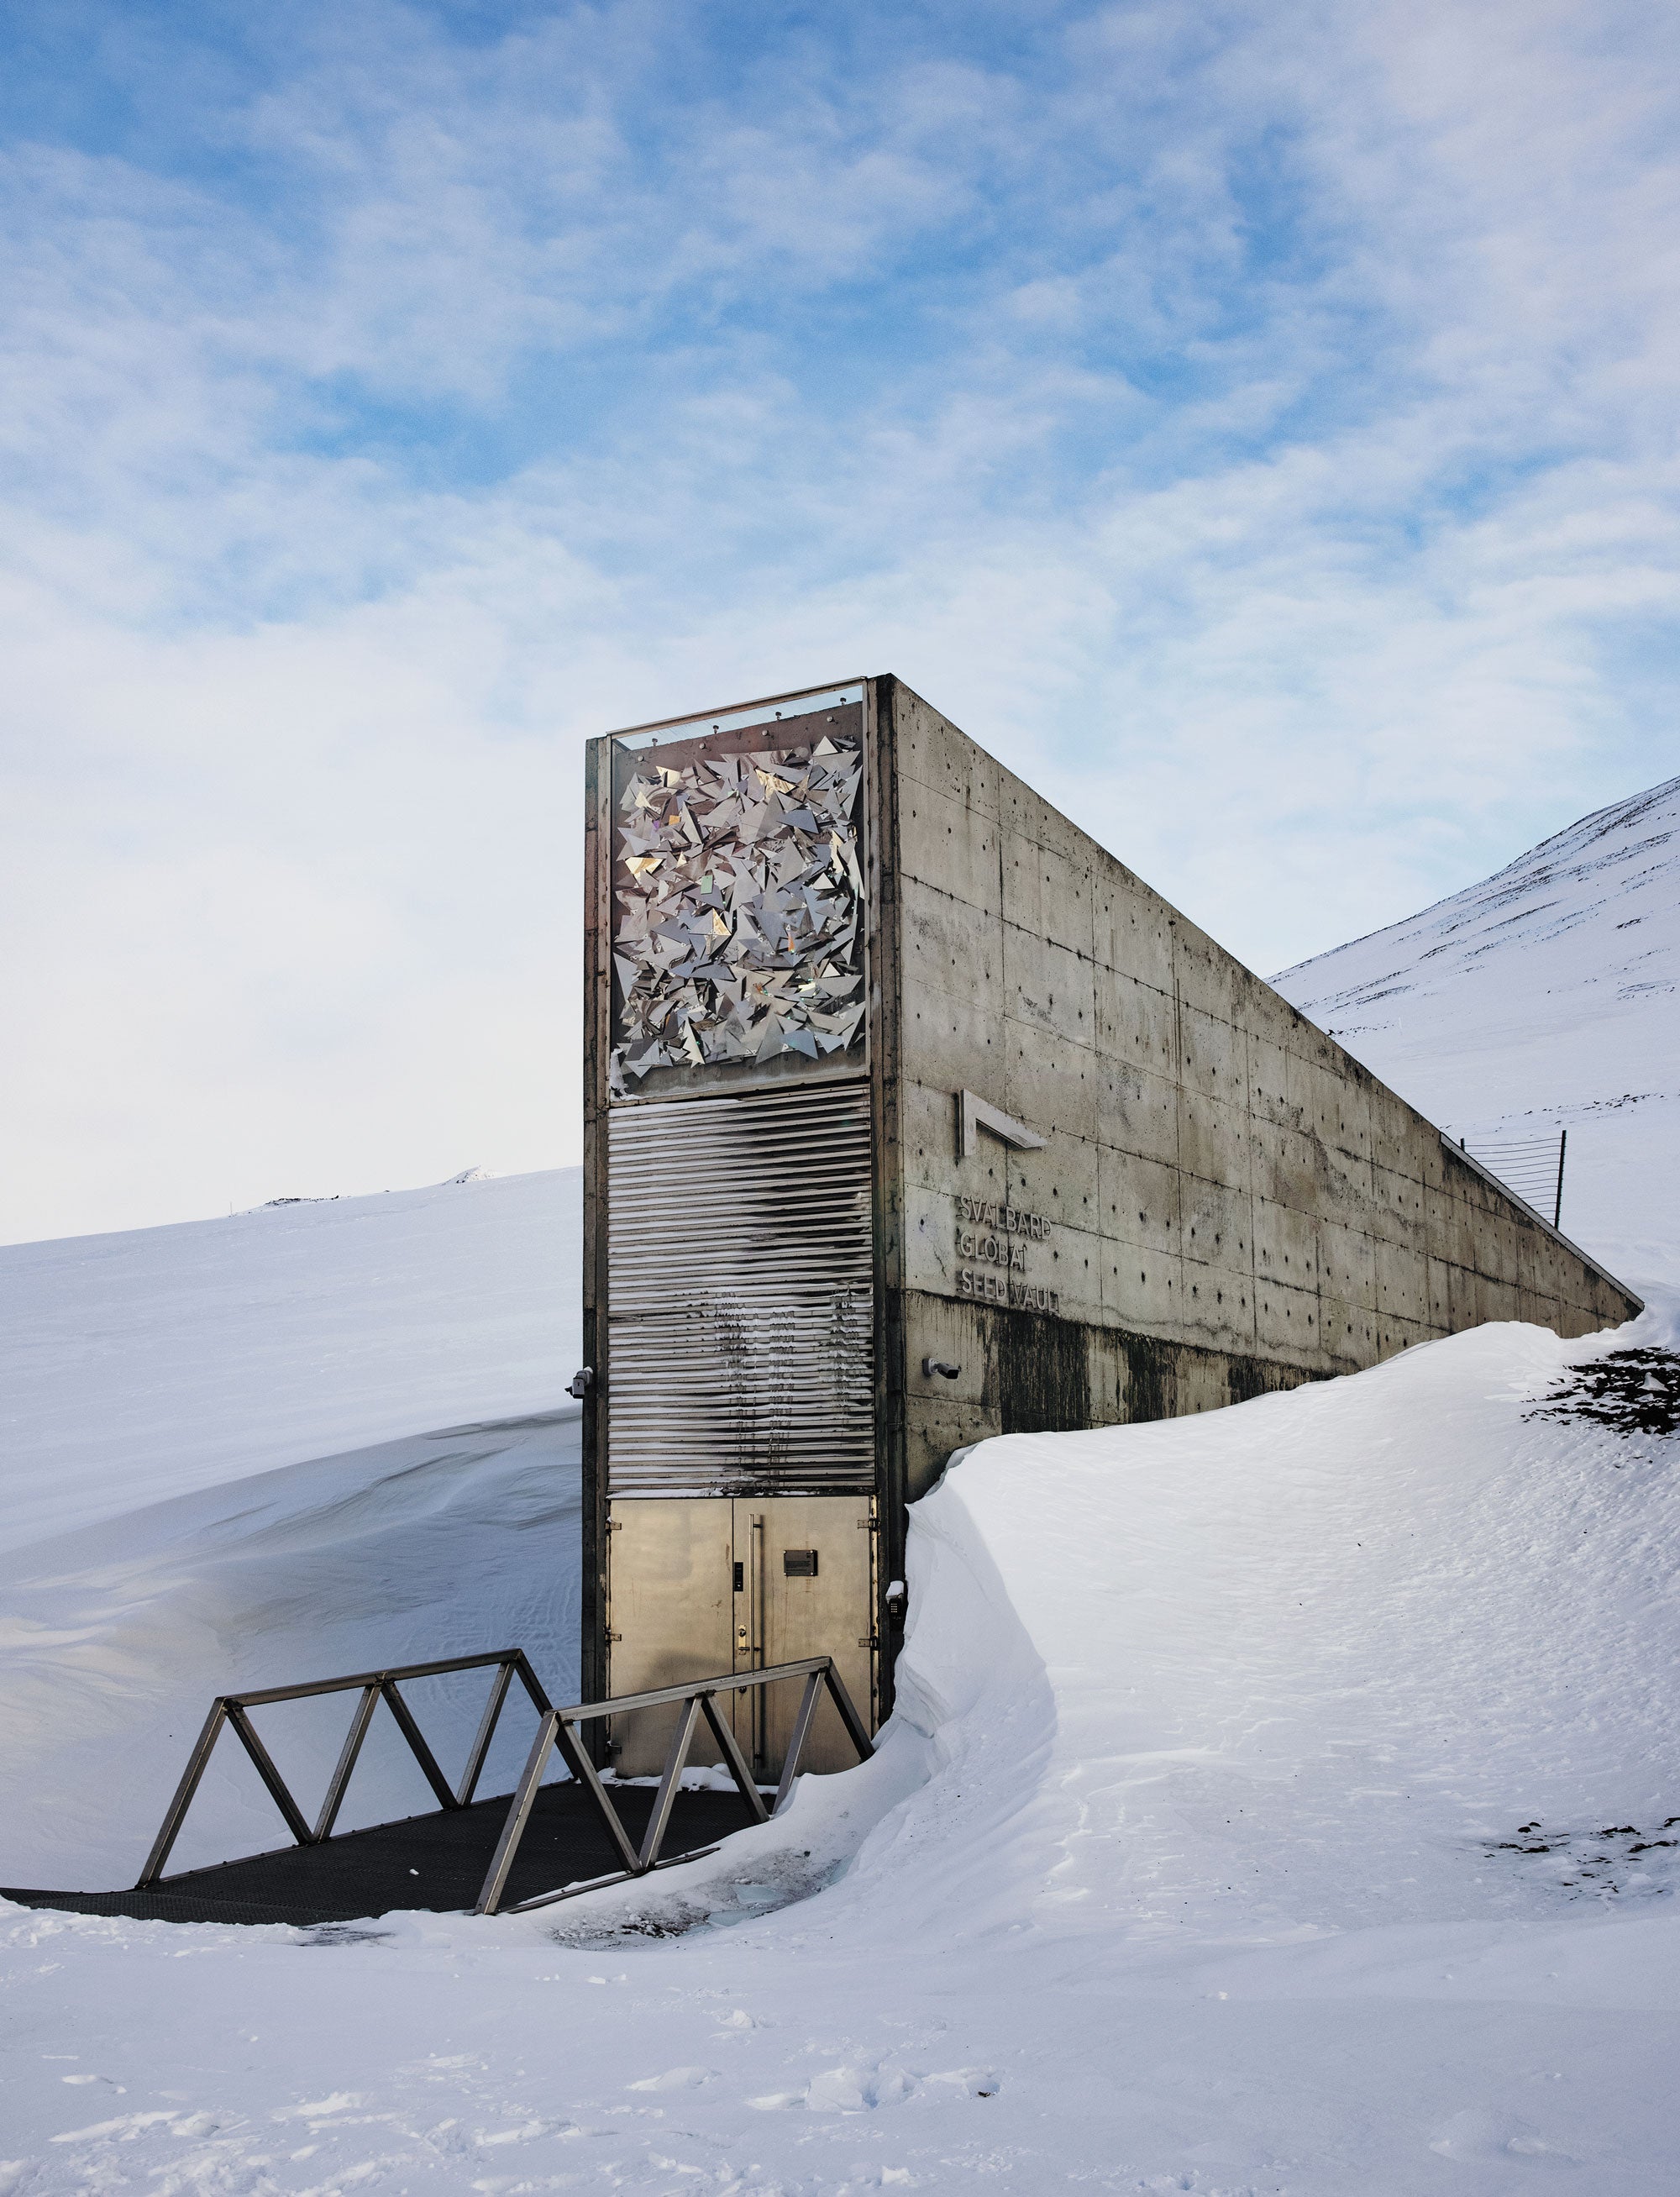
point(912, 1116)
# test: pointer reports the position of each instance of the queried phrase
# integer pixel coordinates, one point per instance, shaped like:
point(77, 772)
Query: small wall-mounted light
point(581, 1382)
point(932, 1365)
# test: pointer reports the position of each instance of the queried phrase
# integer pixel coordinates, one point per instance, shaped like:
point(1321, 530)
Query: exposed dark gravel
point(1632, 1392)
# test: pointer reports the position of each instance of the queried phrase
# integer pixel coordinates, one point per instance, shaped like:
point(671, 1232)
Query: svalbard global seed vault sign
point(911, 1115)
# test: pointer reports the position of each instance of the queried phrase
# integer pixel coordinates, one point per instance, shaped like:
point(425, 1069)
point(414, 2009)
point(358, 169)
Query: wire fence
point(1531, 1166)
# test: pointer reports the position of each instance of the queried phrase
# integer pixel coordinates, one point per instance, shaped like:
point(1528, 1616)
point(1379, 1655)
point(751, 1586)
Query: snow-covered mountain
point(1546, 997)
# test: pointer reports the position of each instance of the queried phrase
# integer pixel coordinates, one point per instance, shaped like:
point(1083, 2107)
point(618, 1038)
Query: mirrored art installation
point(737, 930)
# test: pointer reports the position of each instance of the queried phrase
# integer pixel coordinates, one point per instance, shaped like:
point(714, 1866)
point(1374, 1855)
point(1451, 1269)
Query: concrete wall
point(1234, 1203)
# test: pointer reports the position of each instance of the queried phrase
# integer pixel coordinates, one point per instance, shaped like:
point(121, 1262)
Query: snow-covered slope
point(1281, 1801)
point(1547, 996)
point(114, 1636)
point(147, 1365)
point(307, 1440)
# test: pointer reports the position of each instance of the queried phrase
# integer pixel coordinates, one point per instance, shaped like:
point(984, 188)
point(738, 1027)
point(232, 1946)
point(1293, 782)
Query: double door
point(698, 1586)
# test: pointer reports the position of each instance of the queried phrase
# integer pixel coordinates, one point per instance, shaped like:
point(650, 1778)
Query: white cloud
point(1255, 429)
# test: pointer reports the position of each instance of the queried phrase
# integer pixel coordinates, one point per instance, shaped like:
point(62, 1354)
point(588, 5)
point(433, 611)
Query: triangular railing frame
point(233, 1710)
point(557, 1729)
point(560, 1728)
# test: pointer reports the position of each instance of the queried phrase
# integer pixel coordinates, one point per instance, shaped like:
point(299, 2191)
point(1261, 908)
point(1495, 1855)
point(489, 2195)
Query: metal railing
point(557, 1729)
point(698, 1698)
point(233, 1710)
point(1531, 1166)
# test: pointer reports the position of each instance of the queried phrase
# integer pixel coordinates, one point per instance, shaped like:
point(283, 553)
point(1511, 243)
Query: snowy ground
point(1280, 1800)
point(1203, 1857)
point(166, 1360)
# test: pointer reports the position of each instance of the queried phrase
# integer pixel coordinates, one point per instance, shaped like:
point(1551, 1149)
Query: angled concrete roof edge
point(1177, 915)
point(1468, 1159)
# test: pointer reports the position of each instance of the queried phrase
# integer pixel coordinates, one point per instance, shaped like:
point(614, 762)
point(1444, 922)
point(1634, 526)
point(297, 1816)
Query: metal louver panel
point(740, 1298)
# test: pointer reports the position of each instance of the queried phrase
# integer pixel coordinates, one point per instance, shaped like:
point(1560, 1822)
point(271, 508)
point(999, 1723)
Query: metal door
point(806, 1571)
point(700, 1585)
point(670, 1614)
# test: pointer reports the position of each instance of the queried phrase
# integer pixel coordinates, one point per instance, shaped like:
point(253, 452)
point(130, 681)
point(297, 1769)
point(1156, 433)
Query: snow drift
point(163, 1360)
point(304, 1440)
point(1280, 1800)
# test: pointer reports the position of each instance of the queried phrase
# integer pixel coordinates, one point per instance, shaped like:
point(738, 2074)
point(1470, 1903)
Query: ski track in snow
point(1278, 1802)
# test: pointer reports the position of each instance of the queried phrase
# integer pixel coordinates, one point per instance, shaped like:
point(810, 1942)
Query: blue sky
point(1255, 423)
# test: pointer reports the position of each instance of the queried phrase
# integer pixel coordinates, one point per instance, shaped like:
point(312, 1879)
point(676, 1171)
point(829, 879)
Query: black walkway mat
point(437, 1862)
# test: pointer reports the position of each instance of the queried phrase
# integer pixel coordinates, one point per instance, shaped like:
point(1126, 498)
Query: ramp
point(540, 1843)
point(437, 1862)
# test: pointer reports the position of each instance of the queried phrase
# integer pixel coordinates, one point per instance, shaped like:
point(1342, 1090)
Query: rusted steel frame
point(570, 1741)
point(422, 1753)
point(800, 1733)
point(727, 1682)
point(311, 1686)
point(734, 1758)
point(556, 1730)
point(231, 1709)
point(599, 1883)
point(529, 1679)
point(557, 1727)
point(485, 1733)
point(855, 1730)
point(657, 1822)
point(518, 1815)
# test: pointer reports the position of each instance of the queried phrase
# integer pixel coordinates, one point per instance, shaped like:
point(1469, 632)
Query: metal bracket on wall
point(974, 1115)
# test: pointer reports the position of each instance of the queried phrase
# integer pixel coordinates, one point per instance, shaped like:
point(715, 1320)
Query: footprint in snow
point(1478, 2134)
point(861, 2087)
point(526, 2132)
point(675, 2079)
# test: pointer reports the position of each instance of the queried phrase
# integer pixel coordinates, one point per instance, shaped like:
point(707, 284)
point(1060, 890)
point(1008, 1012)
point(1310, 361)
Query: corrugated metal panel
point(740, 1320)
